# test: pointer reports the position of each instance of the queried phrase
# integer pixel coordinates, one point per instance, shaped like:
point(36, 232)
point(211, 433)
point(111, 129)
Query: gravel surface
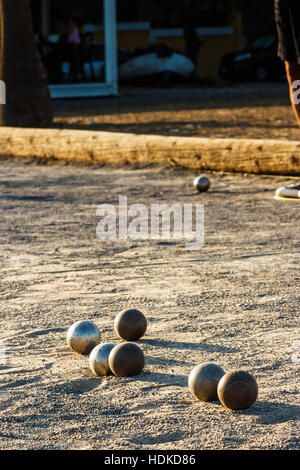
point(230, 307)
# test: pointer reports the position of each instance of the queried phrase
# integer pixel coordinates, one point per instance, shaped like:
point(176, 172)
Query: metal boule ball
point(83, 336)
point(130, 324)
point(204, 379)
point(98, 359)
point(126, 359)
point(202, 184)
point(237, 390)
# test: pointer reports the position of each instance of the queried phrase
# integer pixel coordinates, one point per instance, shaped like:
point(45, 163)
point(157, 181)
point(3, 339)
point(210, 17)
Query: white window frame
point(110, 85)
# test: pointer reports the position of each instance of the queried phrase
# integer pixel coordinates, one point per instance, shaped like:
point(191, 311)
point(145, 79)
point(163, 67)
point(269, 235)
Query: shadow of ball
point(98, 359)
point(237, 390)
point(83, 336)
point(202, 184)
point(204, 379)
point(126, 359)
point(130, 324)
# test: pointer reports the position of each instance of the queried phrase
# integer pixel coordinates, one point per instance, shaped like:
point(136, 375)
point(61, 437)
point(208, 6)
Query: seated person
point(74, 52)
point(73, 33)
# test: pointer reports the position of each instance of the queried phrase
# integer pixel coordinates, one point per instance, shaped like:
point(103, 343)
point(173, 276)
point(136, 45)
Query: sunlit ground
point(247, 111)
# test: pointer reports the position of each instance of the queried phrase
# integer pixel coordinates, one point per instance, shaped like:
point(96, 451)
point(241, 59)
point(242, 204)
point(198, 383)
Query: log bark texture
point(115, 149)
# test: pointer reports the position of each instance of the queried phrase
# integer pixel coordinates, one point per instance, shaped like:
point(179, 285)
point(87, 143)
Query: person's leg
point(287, 17)
point(293, 74)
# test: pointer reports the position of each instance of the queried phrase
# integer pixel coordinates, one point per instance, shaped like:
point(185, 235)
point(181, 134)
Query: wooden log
point(108, 148)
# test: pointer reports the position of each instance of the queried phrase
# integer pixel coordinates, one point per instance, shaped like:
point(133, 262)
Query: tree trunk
point(28, 102)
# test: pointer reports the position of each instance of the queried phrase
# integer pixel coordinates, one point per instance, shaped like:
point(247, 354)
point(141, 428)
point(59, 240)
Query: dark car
point(258, 61)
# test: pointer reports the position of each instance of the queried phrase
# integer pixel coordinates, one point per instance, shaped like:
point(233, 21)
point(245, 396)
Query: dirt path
point(238, 312)
point(254, 111)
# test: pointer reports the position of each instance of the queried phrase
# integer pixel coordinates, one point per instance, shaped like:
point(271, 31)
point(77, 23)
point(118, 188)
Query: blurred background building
point(203, 30)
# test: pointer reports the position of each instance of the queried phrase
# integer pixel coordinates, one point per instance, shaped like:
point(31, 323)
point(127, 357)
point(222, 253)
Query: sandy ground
point(250, 110)
point(238, 312)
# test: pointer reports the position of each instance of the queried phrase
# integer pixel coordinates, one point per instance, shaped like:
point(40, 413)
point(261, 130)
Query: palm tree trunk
point(28, 102)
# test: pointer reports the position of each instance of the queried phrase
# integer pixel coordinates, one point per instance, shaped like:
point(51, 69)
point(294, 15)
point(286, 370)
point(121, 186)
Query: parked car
point(258, 61)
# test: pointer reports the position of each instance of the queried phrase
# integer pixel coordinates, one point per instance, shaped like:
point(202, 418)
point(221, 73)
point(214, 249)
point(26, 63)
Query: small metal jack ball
point(202, 184)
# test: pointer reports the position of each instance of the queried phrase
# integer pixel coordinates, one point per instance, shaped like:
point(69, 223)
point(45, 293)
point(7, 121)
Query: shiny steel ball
point(99, 358)
point(130, 324)
point(83, 336)
point(126, 359)
point(204, 379)
point(202, 184)
point(237, 390)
